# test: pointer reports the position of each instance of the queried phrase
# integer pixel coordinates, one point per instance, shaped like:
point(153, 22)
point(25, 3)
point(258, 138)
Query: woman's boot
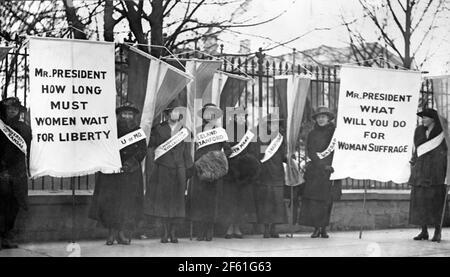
point(323, 233)
point(164, 233)
point(237, 232)
point(201, 231)
point(121, 239)
point(173, 233)
point(229, 233)
point(316, 233)
point(110, 240)
point(423, 234)
point(266, 231)
point(273, 232)
point(437, 234)
point(209, 231)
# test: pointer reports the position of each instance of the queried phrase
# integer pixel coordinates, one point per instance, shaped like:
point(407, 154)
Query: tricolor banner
point(72, 108)
point(163, 84)
point(292, 90)
point(4, 50)
point(441, 94)
point(375, 123)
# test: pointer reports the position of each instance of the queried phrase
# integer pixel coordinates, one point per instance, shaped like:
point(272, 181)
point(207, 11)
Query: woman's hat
point(323, 110)
point(431, 113)
point(12, 101)
point(128, 106)
point(210, 107)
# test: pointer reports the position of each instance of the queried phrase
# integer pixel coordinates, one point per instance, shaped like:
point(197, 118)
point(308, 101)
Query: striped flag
point(292, 91)
point(441, 92)
point(162, 85)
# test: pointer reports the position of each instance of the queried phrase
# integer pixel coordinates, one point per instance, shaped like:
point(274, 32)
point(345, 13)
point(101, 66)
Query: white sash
point(273, 147)
point(131, 138)
point(171, 143)
point(14, 137)
point(210, 137)
point(329, 150)
point(245, 141)
point(430, 145)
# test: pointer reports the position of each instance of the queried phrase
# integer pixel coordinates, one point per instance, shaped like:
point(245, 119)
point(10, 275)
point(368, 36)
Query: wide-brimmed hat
point(128, 106)
point(12, 101)
point(217, 112)
point(431, 113)
point(323, 110)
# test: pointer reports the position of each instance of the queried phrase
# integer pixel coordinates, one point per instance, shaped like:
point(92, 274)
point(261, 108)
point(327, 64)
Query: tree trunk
point(73, 20)
point(407, 37)
point(108, 21)
point(135, 22)
point(156, 24)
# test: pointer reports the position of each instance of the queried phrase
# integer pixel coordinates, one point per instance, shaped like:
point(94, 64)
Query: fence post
point(260, 57)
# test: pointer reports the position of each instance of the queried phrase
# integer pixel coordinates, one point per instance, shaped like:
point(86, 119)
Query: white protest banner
point(375, 123)
point(72, 108)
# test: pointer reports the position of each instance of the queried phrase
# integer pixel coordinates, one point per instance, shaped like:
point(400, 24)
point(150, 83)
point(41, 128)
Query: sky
point(301, 17)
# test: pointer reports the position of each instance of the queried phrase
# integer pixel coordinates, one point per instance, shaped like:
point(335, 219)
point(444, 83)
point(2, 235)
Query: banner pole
point(292, 211)
point(72, 183)
point(363, 209)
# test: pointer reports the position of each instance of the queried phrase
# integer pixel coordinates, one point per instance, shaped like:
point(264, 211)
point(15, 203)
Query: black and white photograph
point(239, 130)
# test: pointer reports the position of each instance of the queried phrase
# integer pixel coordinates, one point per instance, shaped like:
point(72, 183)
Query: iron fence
point(324, 90)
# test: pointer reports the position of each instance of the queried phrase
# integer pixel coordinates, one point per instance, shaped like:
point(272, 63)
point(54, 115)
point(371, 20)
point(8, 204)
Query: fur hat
point(172, 105)
point(323, 110)
point(212, 166)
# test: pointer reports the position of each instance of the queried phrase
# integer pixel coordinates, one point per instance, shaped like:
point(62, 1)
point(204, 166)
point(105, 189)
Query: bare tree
point(402, 25)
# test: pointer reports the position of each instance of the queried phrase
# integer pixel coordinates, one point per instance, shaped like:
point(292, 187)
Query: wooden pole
point(72, 184)
point(292, 211)
point(363, 209)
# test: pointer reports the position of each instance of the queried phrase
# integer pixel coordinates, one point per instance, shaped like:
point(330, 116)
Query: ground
point(390, 243)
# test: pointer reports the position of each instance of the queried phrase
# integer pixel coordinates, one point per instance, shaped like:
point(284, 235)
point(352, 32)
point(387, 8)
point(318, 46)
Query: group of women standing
point(229, 177)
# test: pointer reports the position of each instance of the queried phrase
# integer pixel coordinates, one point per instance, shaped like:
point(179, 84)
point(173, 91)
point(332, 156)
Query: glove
point(329, 168)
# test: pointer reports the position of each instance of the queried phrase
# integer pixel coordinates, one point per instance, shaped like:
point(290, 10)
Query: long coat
point(165, 193)
point(14, 184)
point(318, 194)
point(237, 204)
point(427, 180)
point(269, 188)
point(204, 196)
point(118, 198)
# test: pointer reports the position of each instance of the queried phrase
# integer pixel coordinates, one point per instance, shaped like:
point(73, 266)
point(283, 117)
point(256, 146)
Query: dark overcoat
point(118, 198)
point(165, 192)
point(269, 188)
point(318, 194)
point(14, 183)
point(318, 184)
point(204, 196)
point(427, 180)
point(237, 204)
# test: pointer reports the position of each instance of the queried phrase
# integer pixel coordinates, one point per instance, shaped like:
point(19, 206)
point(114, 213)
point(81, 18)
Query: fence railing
point(324, 90)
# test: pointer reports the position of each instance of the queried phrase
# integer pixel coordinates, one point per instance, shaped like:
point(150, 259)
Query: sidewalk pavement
point(384, 243)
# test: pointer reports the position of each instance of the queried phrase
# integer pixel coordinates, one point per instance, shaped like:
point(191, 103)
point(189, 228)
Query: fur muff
point(212, 166)
point(248, 168)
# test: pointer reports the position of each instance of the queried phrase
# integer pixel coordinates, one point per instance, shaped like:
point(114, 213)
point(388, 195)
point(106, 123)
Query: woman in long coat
point(204, 195)
point(165, 194)
point(428, 175)
point(237, 204)
point(317, 200)
point(269, 188)
point(118, 198)
point(13, 171)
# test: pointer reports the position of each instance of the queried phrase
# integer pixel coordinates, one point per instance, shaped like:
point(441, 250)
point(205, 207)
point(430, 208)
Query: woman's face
point(12, 111)
point(427, 121)
point(174, 115)
point(127, 115)
point(322, 119)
